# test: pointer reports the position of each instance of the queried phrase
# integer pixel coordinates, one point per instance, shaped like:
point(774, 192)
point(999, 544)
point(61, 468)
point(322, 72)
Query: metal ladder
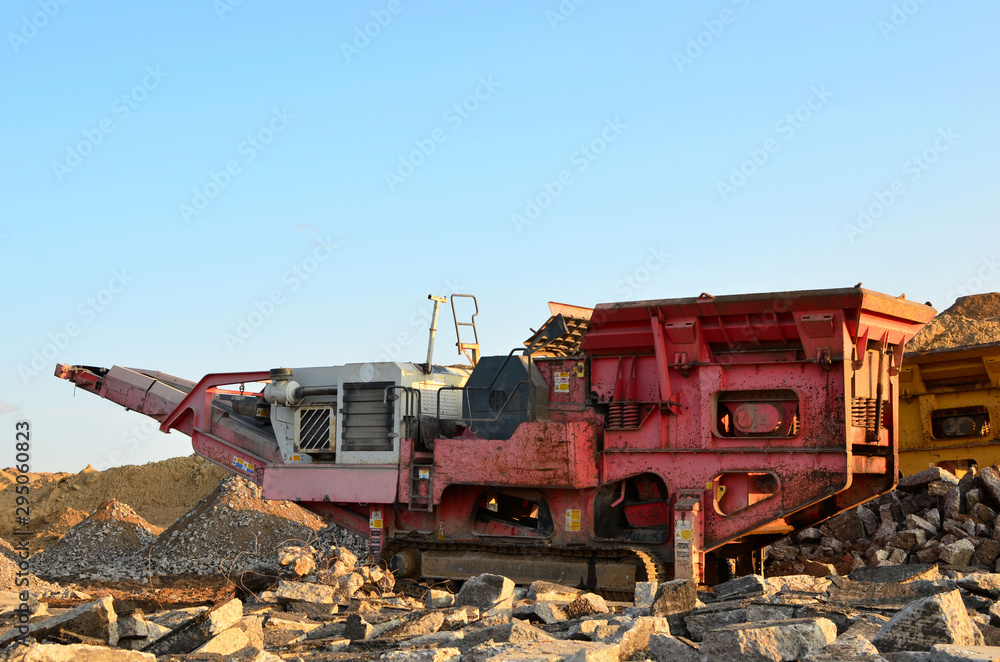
point(421, 487)
point(469, 349)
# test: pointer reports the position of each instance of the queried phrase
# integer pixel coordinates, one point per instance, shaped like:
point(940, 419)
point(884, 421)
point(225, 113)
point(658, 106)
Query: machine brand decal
point(562, 382)
point(424, 474)
point(243, 465)
point(375, 521)
point(572, 520)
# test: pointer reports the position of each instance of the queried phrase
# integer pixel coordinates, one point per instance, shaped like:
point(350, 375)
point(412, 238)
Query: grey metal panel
point(367, 421)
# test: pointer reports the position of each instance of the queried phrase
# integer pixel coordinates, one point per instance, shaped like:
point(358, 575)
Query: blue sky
point(170, 167)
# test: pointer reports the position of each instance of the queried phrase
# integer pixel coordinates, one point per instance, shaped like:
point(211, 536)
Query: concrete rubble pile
point(231, 531)
point(325, 605)
point(932, 517)
point(99, 547)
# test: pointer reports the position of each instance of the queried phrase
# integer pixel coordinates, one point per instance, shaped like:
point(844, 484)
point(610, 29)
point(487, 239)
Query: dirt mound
point(971, 320)
point(99, 547)
point(160, 492)
point(12, 579)
point(230, 531)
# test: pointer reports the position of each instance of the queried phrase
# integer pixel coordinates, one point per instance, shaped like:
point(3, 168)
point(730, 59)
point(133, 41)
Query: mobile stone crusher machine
point(633, 442)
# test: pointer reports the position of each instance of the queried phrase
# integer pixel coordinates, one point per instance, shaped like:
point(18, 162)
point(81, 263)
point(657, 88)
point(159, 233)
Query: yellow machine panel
point(949, 409)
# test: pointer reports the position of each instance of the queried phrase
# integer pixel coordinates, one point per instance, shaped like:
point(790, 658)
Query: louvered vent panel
point(314, 429)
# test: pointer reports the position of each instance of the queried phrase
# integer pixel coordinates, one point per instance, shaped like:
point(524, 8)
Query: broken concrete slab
point(634, 636)
point(288, 591)
point(644, 594)
point(844, 591)
point(424, 624)
point(895, 574)
point(740, 588)
point(226, 642)
point(981, 583)
point(585, 605)
point(921, 480)
point(95, 619)
point(175, 618)
point(436, 599)
point(938, 619)
point(199, 630)
point(546, 612)
point(769, 640)
point(547, 651)
point(665, 648)
point(487, 591)
point(702, 620)
point(951, 653)
point(35, 652)
point(432, 655)
point(675, 597)
point(852, 648)
point(584, 630)
point(549, 592)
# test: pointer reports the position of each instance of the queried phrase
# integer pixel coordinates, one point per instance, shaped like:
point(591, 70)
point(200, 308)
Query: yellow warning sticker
point(562, 382)
point(573, 519)
point(375, 521)
point(682, 530)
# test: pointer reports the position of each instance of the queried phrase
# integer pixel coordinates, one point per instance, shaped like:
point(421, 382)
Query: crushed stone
point(98, 546)
point(971, 320)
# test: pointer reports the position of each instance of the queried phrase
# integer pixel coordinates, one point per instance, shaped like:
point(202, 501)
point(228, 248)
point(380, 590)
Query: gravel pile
point(932, 517)
point(230, 531)
point(99, 547)
point(971, 320)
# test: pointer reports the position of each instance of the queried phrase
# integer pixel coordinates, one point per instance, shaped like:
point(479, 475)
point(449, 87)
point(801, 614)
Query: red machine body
point(655, 438)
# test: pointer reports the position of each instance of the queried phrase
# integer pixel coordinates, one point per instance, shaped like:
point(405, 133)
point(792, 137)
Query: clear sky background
point(167, 168)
